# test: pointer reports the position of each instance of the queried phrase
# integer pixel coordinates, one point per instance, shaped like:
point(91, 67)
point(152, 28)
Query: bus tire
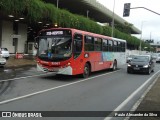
point(114, 66)
point(86, 71)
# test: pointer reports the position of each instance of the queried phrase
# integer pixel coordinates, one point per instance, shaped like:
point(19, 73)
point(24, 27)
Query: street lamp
point(56, 24)
point(140, 46)
point(57, 3)
point(150, 35)
point(113, 19)
point(87, 13)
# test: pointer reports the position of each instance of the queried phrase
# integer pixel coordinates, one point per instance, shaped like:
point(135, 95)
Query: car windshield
point(141, 58)
point(131, 56)
point(4, 49)
point(154, 55)
point(55, 48)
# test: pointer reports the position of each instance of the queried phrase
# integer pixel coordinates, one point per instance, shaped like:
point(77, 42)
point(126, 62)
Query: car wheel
point(114, 66)
point(128, 71)
point(86, 71)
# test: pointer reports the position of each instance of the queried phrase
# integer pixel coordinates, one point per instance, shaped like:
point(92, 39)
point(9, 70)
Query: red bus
point(71, 52)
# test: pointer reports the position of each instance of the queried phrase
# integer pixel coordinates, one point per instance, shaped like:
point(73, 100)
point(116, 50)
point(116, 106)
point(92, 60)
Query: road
point(102, 91)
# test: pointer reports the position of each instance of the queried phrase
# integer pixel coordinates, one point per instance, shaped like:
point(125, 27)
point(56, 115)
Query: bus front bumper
point(65, 71)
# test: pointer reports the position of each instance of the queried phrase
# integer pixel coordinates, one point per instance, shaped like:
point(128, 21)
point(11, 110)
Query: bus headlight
point(68, 64)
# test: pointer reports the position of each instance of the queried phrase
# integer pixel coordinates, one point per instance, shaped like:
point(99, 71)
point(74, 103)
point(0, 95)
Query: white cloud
point(151, 26)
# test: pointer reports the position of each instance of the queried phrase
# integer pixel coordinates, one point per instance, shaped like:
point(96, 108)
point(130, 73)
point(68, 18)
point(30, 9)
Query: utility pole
point(113, 20)
point(57, 4)
point(140, 46)
point(87, 13)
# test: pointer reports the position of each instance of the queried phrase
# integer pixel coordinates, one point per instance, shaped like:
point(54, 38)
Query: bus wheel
point(86, 71)
point(114, 66)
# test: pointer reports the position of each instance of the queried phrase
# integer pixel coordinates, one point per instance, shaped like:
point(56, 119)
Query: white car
point(156, 56)
point(2, 62)
point(4, 53)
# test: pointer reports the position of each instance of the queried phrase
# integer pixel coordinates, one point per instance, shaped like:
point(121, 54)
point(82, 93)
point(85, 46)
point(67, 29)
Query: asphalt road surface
point(29, 90)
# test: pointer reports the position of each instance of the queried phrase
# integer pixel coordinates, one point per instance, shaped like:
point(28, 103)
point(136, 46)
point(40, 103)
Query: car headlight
point(146, 66)
point(129, 65)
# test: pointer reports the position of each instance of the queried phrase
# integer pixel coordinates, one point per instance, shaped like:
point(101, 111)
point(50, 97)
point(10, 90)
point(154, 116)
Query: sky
point(144, 20)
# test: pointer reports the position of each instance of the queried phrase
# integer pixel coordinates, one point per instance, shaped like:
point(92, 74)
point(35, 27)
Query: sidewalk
point(28, 60)
point(151, 102)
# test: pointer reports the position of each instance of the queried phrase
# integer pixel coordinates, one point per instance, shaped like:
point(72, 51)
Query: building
point(156, 46)
point(16, 31)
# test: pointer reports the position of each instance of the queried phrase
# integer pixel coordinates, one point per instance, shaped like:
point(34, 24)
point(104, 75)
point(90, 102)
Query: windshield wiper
point(56, 42)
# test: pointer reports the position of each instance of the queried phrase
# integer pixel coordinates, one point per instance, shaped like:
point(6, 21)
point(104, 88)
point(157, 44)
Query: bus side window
point(77, 45)
point(119, 47)
point(110, 45)
point(89, 43)
point(105, 45)
point(123, 46)
point(115, 46)
point(97, 44)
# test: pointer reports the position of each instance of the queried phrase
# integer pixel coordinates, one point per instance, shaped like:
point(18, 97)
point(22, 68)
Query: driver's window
point(77, 45)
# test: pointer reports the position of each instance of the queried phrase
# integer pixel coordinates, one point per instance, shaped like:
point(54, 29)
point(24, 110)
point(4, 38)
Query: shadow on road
point(7, 73)
point(69, 78)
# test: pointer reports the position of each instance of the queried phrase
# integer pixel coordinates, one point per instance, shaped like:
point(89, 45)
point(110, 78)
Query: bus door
point(77, 50)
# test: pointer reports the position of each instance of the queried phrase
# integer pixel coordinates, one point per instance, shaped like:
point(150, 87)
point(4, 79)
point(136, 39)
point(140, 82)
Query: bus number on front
point(55, 63)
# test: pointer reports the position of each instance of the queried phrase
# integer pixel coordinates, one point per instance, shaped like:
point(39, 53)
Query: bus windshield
point(55, 48)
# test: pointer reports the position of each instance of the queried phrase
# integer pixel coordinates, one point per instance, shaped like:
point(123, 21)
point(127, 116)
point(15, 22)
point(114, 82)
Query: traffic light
point(126, 10)
point(149, 41)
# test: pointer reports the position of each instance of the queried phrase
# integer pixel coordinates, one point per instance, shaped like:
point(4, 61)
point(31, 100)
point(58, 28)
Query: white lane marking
point(25, 77)
point(132, 95)
point(46, 90)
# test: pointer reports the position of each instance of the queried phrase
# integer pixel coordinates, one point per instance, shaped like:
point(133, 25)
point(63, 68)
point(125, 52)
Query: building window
point(30, 46)
point(15, 27)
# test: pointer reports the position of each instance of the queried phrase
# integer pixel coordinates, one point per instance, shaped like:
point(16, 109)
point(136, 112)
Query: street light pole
point(113, 20)
point(150, 35)
point(87, 13)
point(140, 46)
point(57, 3)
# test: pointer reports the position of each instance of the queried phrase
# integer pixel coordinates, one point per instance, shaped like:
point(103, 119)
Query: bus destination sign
point(54, 33)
